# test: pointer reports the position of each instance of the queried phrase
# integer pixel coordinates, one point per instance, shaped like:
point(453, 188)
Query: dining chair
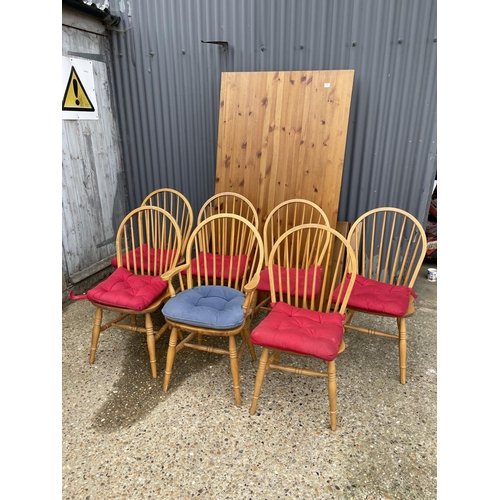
point(308, 324)
point(176, 204)
point(229, 203)
point(281, 218)
point(390, 245)
point(148, 244)
point(224, 258)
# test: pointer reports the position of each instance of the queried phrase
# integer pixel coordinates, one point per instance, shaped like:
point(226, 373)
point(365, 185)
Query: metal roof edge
point(93, 10)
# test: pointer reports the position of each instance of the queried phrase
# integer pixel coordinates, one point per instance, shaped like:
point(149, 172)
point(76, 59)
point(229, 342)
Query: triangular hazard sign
point(75, 98)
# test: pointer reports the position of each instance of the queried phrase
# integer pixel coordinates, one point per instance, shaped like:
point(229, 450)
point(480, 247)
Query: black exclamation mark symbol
point(75, 89)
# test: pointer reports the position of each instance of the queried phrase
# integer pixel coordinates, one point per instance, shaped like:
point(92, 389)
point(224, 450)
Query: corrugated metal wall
point(168, 82)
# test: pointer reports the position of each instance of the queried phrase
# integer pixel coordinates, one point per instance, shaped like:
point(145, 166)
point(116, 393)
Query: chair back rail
point(176, 204)
point(289, 214)
point(311, 259)
point(229, 203)
point(148, 241)
point(390, 245)
point(223, 252)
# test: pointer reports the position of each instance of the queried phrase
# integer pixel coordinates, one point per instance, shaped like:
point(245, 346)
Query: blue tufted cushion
point(217, 307)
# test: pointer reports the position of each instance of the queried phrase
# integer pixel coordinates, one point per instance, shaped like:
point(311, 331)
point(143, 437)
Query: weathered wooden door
point(93, 185)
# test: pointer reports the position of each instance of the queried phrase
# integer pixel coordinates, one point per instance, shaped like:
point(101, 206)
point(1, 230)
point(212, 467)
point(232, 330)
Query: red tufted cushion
point(219, 260)
point(128, 290)
point(300, 330)
point(154, 255)
point(376, 297)
point(264, 284)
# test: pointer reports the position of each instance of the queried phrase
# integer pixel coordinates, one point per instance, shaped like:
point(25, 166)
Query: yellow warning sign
point(75, 97)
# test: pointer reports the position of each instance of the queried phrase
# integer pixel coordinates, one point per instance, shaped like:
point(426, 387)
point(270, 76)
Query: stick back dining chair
point(224, 257)
point(148, 244)
point(176, 204)
point(229, 203)
point(390, 246)
point(281, 218)
point(307, 324)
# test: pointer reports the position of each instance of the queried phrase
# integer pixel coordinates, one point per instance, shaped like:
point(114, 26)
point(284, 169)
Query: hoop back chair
point(229, 203)
point(309, 324)
point(390, 246)
point(224, 258)
point(148, 244)
point(281, 218)
point(176, 204)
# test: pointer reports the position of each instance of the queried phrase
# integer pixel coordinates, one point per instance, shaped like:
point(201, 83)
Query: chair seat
point(377, 297)
point(264, 284)
point(210, 306)
point(238, 263)
point(302, 331)
point(152, 257)
point(126, 290)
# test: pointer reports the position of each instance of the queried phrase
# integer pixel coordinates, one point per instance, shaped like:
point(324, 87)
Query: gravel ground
point(124, 438)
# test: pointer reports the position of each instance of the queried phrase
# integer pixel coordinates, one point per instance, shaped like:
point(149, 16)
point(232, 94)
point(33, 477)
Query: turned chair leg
point(96, 331)
point(341, 347)
point(150, 339)
point(332, 394)
point(261, 371)
point(235, 371)
point(402, 349)
point(349, 316)
point(172, 343)
point(246, 338)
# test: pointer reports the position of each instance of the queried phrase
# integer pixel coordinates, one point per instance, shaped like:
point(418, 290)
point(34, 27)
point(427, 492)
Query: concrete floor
point(124, 438)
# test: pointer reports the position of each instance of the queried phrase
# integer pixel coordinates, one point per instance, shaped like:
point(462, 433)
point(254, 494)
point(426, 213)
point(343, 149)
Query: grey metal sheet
point(167, 87)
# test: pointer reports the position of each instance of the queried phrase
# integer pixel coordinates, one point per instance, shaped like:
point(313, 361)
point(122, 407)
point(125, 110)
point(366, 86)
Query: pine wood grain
point(282, 135)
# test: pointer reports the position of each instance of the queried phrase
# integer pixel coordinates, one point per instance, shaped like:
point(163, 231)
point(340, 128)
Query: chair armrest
point(249, 290)
point(168, 275)
point(252, 284)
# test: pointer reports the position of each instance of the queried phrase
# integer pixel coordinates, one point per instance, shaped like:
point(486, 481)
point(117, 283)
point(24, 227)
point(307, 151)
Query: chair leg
point(402, 349)
point(150, 339)
point(332, 394)
point(96, 331)
point(235, 371)
point(341, 347)
point(246, 337)
point(275, 357)
point(261, 371)
point(349, 316)
point(172, 343)
point(258, 302)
